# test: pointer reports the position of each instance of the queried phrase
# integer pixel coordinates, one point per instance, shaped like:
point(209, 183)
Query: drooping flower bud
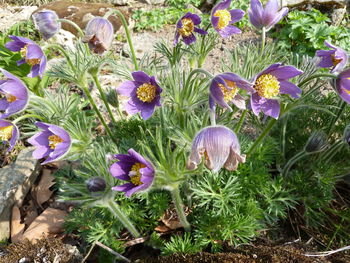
point(219, 146)
point(317, 142)
point(112, 98)
point(346, 135)
point(96, 184)
point(99, 34)
point(46, 21)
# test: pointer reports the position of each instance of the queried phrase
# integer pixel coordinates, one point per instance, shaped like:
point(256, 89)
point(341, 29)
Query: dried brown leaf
point(16, 226)
point(42, 190)
point(31, 213)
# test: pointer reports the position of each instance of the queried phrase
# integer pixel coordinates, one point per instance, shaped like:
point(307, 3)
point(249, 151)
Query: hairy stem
point(321, 75)
point(64, 53)
point(240, 122)
point(292, 161)
point(263, 39)
point(334, 120)
point(175, 194)
point(26, 116)
point(81, 33)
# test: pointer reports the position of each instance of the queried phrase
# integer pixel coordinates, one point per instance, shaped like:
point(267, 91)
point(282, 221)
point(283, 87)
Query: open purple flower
point(222, 19)
point(218, 146)
point(343, 85)
point(271, 82)
point(13, 95)
point(46, 21)
point(133, 168)
point(31, 53)
point(224, 89)
point(265, 17)
point(8, 133)
point(52, 143)
point(99, 33)
point(336, 58)
point(185, 28)
point(144, 93)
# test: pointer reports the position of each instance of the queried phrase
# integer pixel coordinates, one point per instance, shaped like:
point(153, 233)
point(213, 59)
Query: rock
point(338, 15)
point(80, 13)
point(64, 38)
point(318, 4)
point(119, 2)
point(10, 15)
point(141, 46)
point(155, 2)
point(15, 182)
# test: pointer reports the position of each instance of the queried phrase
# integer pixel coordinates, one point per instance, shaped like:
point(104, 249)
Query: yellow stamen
point(10, 98)
point(29, 61)
point(6, 133)
point(54, 140)
point(187, 27)
point(146, 92)
point(335, 61)
point(267, 86)
point(347, 91)
point(135, 175)
point(229, 94)
point(224, 18)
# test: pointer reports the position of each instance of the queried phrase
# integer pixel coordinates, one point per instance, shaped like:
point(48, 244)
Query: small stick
point(112, 252)
point(89, 252)
point(327, 253)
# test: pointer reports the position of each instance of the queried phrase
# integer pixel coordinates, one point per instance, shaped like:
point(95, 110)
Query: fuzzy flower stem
point(292, 161)
point(321, 75)
point(81, 33)
point(127, 32)
point(240, 122)
point(175, 194)
point(331, 152)
point(342, 104)
point(267, 129)
point(64, 53)
point(103, 95)
point(91, 100)
point(263, 39)
point(26, 116)
point(114, 208)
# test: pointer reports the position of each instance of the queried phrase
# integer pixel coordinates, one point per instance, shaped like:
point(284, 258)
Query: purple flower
point(8, 133)
point(343, 85)
point(99, 33)
point(219, 146)
point(31, 53)
point(13, 95)
point(222, 19)
point(224, 88)
point(271, 82)
point(265, 17)
point(52, 143)
point(46, 21)
point(134, 169)
point(144, 94)
point(335, 58)
point(185, 28)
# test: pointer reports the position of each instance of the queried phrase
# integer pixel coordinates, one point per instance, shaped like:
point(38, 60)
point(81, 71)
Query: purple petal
point(190, 39)
point(34, 71)
point(138, 157)
point(141, 76)
point(34, 52)
point(126, 88)
point(271, 108)
point(147, 110)
point(254, 19)
point(121, 170)
point(41, 152)
point(123, 187)
point(277, 18)
point(200, 31)
point(40, 138)
point(216, 93)
point(255, 103)
point(287, 87)
point(236, 15)
point(222, 5)
point(239, 101)
point(256, 9)
point(229, 31)
point(131, 108)
point(195, 18)
point(214, 21)
point(4, 105)
point(285, 72)
point(176, 39)
point(21, 61)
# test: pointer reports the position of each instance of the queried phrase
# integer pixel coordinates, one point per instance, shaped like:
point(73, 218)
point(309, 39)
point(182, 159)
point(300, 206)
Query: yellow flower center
point(347, 91)
point(229, 94)
point(10, 98)
point(29, 61)
point(6, 133)
point(135, 175)
point(187, 27)
point(267, 86)
point(54, 140)
point(146, 92)
point(335, 61)
point(224, 18)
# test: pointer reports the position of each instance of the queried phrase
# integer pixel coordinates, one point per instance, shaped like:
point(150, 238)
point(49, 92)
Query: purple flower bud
point(265, 17)
point(220, 148)
point(343, 85)
point(185, 28)
point(52, 143)
point(99, 33)
point(14, 95)
point(96, 184)
point(336, 58)
point(317, 142)
point(346, 135)
point(46, 21)
point(9, 133)
point(135, 169)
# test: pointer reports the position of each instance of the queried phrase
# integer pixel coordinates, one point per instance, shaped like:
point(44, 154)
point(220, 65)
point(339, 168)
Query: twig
point(112, 252)
point(89, 252)
point(327, 253)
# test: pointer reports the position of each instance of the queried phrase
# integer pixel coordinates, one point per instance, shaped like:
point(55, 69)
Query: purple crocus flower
point(13, 95)
point(8, 133)
point(99, 33)
point(144, 93)
point(133, 168)
point(46, 21)
point(265, 17)
point(185, 28)
point(31, 53)
point(219, 146)
point(52, 143)
point(224, 88)
point(336, 58)
point(343, 85)
point(271, 82)
point(222, 19)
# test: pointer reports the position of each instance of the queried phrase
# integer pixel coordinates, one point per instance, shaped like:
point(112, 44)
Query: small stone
point(24, 260)
point(141, 46)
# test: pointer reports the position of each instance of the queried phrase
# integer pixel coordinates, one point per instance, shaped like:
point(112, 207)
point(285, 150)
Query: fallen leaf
point(170, 218)
point(162, 229)
point(42, 190)
point(49, 222)
point(16, 226)
point(31, 213)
